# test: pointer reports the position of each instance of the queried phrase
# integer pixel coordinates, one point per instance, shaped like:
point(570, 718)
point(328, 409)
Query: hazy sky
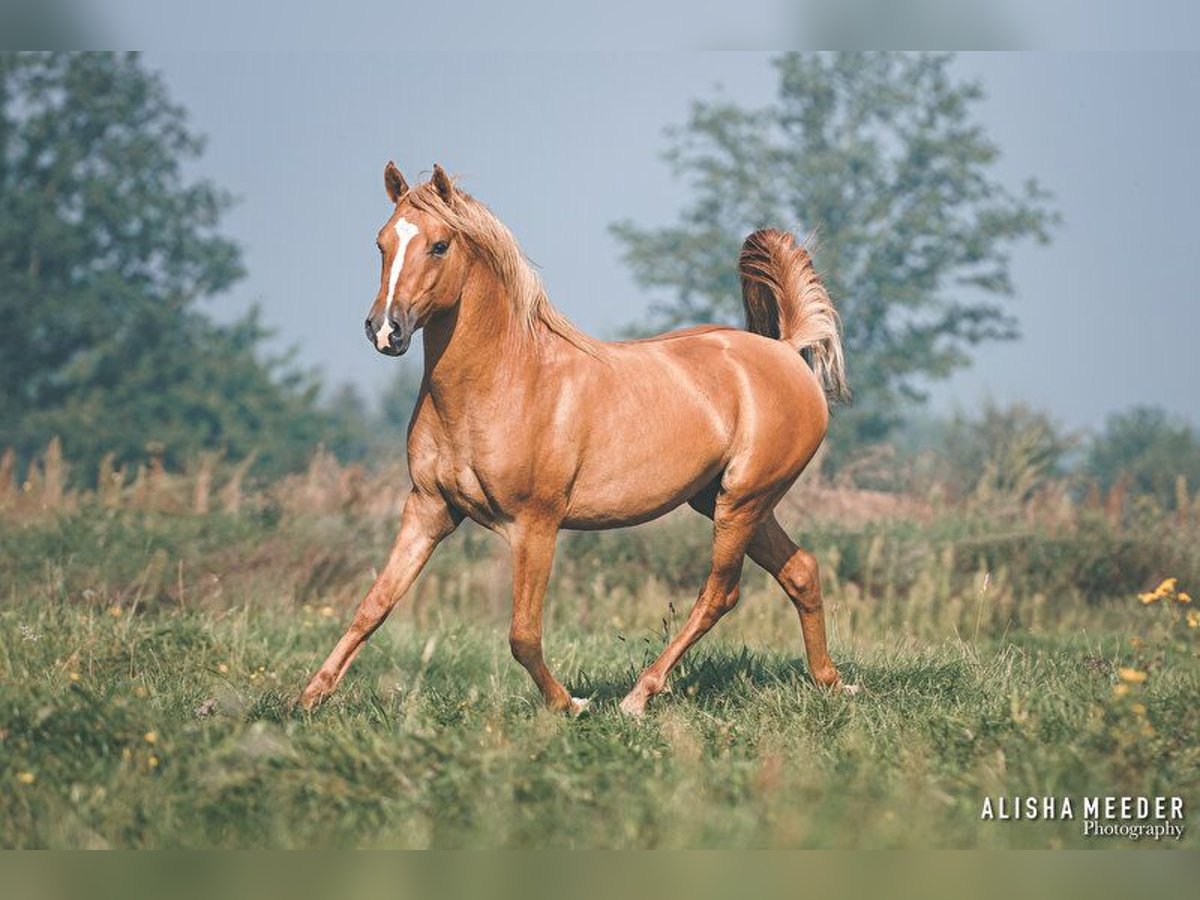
point(560, 145)
point(474, 25)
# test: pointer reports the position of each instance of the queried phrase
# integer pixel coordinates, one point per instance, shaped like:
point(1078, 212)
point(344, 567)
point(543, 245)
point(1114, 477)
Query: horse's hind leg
point(796, 571)
point(733, 527)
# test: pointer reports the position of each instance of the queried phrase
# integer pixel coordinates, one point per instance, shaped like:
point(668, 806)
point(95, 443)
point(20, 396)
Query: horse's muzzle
point(390, 334)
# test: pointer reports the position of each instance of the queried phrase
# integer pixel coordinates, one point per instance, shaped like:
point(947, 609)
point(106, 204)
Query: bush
point(1149, 452)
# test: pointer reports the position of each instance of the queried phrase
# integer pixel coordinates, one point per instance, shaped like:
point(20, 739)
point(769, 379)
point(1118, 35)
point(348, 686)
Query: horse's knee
point(717, 605)
point(800, 578)
point(730, 600)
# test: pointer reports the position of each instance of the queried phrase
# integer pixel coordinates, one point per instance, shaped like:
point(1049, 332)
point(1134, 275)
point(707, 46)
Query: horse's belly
point(621, 505)
point(632, 487)
point(647, 444)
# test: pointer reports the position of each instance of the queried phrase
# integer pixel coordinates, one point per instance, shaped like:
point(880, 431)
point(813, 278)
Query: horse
point(526, 425)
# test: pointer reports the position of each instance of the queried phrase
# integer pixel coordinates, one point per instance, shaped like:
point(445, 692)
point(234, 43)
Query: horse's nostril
point(370, 331)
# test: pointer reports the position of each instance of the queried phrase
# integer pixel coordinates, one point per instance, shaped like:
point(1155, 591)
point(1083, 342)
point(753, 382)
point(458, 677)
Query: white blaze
point(405, 232)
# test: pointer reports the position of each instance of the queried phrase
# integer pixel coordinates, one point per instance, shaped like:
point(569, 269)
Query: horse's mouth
point(396, 349)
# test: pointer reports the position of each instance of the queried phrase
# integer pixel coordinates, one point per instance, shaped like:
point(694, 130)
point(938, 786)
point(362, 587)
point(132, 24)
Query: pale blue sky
point(479, 25)
point(560, 145)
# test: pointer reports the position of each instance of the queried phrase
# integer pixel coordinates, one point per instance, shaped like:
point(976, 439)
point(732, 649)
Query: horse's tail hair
point(785, 299)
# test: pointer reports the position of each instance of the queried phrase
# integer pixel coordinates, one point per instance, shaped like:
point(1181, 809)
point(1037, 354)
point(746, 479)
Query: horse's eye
point(440, 248)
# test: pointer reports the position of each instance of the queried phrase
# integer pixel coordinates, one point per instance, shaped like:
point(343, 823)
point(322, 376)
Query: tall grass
point(154, 630)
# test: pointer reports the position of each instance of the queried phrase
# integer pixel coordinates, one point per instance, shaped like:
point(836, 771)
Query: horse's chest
point(444, 460)
point(488, 472)
point(474, 487)
point(464, 488)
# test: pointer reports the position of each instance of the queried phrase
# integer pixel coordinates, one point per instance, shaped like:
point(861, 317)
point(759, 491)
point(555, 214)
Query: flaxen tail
point(785, 299)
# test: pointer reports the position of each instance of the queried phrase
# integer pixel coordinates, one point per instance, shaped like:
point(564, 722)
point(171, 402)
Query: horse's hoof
point(634, 707)
point(578, 707)
point(310, 698)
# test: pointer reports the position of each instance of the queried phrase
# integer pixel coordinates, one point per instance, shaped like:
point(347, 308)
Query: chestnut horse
point(528, 426)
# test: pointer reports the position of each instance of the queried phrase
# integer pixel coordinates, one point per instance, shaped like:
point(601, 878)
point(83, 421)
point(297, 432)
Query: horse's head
point(424, 266)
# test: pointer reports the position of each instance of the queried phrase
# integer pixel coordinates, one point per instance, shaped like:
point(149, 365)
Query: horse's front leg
point(532, 555)
point(426, 521)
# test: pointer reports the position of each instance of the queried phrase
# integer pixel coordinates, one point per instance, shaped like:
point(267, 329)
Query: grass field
point(148, 660)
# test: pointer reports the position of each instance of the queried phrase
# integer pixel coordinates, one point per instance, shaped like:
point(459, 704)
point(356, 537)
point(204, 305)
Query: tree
point(1003, 451)
point(1149, 449)
point(400, 397)
point(106, 251)
point(881, 155)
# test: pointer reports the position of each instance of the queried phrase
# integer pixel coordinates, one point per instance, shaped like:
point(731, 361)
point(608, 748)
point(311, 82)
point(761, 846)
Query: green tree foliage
point(106, 250)
point(882, 155)
point(400, 397)
point(385, 432)
point(352, 427)
point(1004, 452)
point(1150, 450)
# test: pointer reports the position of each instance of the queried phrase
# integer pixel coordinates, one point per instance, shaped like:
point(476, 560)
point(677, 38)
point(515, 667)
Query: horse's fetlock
point(826, 676)
point(653, 684)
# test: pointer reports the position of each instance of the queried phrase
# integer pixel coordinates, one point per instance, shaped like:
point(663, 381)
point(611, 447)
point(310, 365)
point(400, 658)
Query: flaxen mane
point(476, 224)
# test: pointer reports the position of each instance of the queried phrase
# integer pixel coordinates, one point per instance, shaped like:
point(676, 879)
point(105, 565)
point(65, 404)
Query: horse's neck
point(479, 356)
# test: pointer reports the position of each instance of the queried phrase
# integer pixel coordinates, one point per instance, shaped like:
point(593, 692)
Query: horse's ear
point(441, 181)
point(394, 182)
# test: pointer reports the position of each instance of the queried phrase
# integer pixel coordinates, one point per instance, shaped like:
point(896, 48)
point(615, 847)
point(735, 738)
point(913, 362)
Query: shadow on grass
point(729, 677)
point(737, 676)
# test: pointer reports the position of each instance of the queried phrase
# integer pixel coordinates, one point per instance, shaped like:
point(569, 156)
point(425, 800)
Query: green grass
point(435, 739)
point(148, 661)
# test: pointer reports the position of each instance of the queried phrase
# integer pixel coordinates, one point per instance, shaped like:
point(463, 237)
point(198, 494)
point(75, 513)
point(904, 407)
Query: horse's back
point(742, 369)
point(679, 334)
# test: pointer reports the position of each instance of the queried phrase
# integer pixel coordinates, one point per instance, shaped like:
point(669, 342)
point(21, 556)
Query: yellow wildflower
point(1148, 598)
point(1183, 597)
point(222, 668)
point(26, 777)
point(1193, 619)
point(114, 611)
point(327, 611)
point(75, 676)
point(150, 737)
point(1120, 690)
point(1135, 642)
point(1167, 587)
point(1133, 676)
point(1139, 709)
point(153, 761)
